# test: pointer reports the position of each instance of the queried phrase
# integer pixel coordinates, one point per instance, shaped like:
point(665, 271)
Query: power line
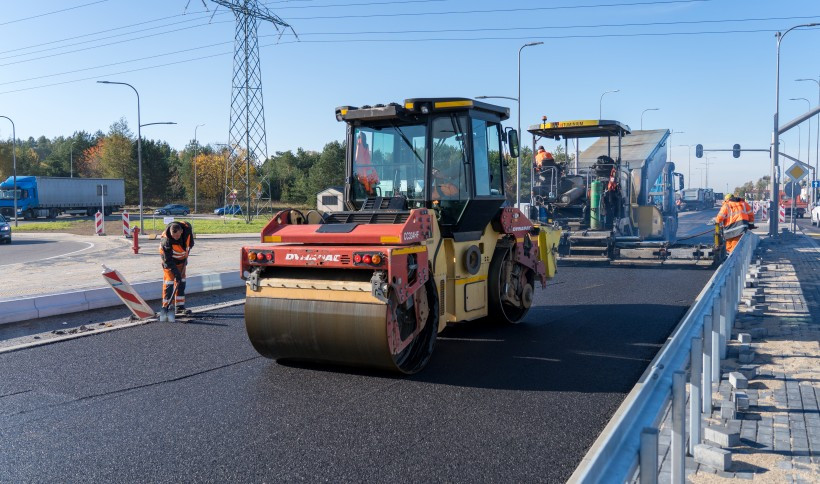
point(505, 10)
point(51, 13)
point(470, 39)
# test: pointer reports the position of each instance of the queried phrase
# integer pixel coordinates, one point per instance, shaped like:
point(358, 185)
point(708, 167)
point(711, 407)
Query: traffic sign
point(815, 184)
point(796, 172)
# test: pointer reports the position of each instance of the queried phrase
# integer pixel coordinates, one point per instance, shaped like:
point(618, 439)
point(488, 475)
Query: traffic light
point(698, 151)
point(736, 150)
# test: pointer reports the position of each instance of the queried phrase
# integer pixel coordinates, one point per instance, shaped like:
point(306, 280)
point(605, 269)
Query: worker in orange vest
point(542, 156)
point(367, 175)
point(736, 216)
point(175, 246)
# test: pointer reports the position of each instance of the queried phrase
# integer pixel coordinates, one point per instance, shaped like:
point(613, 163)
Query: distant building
point(330, 199)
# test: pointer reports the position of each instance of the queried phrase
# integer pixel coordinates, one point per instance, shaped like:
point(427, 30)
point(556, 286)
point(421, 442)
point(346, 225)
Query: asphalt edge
point(36, 307)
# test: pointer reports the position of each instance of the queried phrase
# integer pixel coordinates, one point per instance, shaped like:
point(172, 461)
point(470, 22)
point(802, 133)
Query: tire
point(498, 308)
point(185, 214)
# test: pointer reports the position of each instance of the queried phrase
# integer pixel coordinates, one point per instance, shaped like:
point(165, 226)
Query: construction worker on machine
point(365, 172)
point(177, 242)
point(737, 217)
point(543, 156)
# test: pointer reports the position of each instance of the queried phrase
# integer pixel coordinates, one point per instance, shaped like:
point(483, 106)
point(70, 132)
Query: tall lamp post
point(670, 141)
point(14, 164)
point(775, 194)
point(196, 152)
point(817, 140)
point(139, 144)
point(645, 110)
point(808, 145)
point(520, 136)
point(600, 101)
point(690, 160)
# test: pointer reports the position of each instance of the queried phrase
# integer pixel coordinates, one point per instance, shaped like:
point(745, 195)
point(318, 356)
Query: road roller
point(423, 237)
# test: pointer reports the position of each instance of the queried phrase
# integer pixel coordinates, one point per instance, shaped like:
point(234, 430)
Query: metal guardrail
point(631, 437)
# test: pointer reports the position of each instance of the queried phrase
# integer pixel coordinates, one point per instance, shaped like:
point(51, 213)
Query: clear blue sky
point(716, 88)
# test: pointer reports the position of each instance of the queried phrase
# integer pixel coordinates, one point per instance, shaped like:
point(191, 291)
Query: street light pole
point(14, 164)
point(670, 141)
point(139, 144)
point(196, 151)
point(775, 194)
point(520, 135)
point(600, 101)
point(690, 160)
point(645, 110)
point(817, 140)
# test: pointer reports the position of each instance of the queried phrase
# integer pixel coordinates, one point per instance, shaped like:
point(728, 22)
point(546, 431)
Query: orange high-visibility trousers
point(168, 284)
point(731, 243)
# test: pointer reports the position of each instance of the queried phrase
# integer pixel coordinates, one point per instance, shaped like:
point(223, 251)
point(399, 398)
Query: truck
point(48, 197)
point(697, 199)
point(786, 201)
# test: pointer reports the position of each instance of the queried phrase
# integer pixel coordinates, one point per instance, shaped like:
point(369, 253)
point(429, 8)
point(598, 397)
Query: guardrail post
point(723, 327)
point(695, 386)
point(716, 337)
point(649, 456)
point(706, 406)
point(678, 444)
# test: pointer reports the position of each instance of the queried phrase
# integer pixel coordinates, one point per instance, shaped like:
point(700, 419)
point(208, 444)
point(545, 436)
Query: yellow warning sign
point(796, 172)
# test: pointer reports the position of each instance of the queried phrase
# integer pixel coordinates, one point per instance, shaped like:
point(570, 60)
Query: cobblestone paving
point(82, 270)
point(780, 431)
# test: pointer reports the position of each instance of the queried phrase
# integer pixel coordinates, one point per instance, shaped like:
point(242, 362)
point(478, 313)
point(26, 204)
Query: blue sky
point(718, 89)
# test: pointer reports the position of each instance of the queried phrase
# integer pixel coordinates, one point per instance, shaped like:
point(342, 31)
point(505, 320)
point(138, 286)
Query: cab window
point(487, 156)
point(449, 166)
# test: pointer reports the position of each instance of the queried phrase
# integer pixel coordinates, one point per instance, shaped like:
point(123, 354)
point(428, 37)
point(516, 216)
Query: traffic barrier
point(626, 445)
point(27, 309)
point(126, 224)
point(98, 224)
point(127, 294)
point(782, 217)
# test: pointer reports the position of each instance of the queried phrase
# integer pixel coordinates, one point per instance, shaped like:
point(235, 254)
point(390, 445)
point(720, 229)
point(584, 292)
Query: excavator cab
point(443, 154)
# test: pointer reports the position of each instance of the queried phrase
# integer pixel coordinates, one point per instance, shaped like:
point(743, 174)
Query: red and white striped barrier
point(127, 294)
point(98, 224)
point(782, 214)
point(126, 224)
point(764, 210)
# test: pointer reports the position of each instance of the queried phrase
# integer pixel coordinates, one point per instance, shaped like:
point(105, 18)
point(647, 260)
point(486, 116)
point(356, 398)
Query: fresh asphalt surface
point(194, 402)
point(29, 249)
point(693, 223)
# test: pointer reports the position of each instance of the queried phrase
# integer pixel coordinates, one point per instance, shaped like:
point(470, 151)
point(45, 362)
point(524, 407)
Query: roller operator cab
point(425, 240)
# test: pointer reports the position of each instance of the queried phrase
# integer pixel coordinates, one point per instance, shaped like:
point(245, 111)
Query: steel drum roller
point(324, 325)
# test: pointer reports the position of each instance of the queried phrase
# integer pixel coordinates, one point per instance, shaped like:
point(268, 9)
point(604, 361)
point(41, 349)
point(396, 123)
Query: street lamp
point(808, 146)
point(139, 144)
point(817, 140)
point(520, 136)
point(775, 194)
point(706, 175)
point(690, 160)
point(669, 143)
point(600, 101)
point(196, 150)
point(14, 164)
point(645, 110)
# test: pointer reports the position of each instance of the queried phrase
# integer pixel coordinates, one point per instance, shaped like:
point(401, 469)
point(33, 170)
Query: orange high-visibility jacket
point(736, 215)
point(173, 251)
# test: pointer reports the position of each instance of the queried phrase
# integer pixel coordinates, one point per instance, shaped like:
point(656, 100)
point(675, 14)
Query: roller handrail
point(614, 455)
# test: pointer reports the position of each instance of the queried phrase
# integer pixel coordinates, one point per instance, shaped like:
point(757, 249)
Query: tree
point(117, 159)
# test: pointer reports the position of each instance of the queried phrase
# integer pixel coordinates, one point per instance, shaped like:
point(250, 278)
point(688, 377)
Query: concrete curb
point(72, 302)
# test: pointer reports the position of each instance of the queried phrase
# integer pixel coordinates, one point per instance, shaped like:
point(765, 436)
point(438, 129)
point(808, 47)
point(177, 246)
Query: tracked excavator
point(425, 240)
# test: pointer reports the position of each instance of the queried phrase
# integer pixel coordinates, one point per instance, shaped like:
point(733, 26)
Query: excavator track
point(340, 322)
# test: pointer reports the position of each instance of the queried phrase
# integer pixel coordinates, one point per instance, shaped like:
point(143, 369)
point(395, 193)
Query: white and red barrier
point(782, 214)
point(99, 228)
point(127, 294)
point(126, 224)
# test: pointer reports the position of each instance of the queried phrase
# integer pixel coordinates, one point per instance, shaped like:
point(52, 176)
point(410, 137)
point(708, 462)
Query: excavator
point(425, 240)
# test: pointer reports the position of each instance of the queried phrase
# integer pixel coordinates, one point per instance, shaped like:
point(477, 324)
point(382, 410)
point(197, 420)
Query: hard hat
point(727, 197)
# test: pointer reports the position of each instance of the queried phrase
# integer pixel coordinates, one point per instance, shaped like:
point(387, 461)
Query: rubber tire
point(497, 307)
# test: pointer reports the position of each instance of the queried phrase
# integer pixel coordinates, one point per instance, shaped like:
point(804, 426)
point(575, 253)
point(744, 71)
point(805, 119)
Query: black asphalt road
point(173, 402)
point(694, 223)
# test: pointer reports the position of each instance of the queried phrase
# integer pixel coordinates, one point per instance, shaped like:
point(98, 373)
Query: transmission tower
point(246, 136)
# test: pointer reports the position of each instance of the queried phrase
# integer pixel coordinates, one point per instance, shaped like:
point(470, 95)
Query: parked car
point(173, 209)
point(5, 230)
point(229, 210)
point(815, 216)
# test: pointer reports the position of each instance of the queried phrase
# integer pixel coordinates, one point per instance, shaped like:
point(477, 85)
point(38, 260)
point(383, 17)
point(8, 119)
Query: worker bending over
point(737, 217)
point(177, 242)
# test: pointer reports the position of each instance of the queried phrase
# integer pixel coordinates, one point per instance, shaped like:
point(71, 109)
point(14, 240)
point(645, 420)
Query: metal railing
point(630, 439)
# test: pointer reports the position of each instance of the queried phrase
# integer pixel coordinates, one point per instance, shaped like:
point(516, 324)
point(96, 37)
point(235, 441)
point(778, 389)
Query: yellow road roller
point(424, 238)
